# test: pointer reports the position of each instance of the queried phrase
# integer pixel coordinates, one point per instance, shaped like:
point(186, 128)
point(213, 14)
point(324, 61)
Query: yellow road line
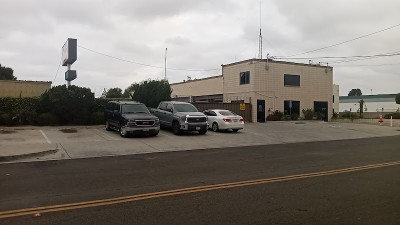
point(117, 200)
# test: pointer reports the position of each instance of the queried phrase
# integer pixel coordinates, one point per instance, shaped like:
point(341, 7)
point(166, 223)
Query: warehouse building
point(22, 89)
point(268, 86)
point(200, 90)
point(374, 105)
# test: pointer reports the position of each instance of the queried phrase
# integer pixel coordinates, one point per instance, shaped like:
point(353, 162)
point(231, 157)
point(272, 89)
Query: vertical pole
point(68, 68)
point(391, 121)
point(165, 63)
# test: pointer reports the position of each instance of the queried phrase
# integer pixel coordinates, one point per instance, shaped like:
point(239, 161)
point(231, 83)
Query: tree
point(361, 102)
point(355, 92)
point(129, 90)
point(152, 92)
point(114, 93)
point(71, 105)
point(6, 73)
point(398, 98)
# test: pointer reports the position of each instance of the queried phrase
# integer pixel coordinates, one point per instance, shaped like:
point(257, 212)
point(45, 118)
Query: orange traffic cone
point(380, 120)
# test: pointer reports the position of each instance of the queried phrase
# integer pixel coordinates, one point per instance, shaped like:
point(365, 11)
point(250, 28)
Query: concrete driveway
point(52, 143)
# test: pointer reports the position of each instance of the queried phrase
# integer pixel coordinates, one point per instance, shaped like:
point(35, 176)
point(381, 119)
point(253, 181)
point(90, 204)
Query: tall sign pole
point(69, 56)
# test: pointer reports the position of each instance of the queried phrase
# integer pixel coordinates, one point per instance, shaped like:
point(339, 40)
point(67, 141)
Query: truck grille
point(196, 119)
point(144, 122)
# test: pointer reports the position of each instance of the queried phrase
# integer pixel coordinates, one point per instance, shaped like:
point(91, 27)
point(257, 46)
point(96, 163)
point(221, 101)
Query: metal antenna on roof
point(260, 38)
point(165, 68)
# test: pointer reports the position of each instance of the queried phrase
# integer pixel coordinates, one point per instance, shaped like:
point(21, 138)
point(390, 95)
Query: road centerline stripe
point(123, 199)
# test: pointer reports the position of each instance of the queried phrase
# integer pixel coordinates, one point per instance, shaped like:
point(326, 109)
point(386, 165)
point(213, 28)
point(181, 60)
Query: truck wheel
point(108, 128)
point(123, 133)
point(154, 134)
point(175, 128)
point(203, 131)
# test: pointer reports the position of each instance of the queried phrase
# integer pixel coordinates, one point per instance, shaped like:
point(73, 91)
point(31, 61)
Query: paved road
point(352, 196)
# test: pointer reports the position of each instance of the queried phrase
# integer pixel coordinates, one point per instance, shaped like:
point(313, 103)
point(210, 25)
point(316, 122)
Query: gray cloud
point(198, 34)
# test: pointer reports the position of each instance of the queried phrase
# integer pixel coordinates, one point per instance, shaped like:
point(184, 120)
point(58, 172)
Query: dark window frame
point(295, 107)
point(244, 78)
point(290, 80)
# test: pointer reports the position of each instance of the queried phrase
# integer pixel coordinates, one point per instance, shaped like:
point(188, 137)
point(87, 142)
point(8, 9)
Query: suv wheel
point(123, 132)
point(108, 128)
point(176, 129)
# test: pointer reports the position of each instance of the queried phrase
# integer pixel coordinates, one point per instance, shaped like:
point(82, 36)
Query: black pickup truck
point(129, 117)
point(181, 116)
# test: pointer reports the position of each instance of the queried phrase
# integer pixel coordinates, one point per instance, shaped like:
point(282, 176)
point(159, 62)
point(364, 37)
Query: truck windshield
point(134, 108)
point(185, 108)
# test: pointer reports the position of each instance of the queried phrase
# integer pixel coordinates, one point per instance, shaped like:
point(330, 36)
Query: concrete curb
point(28, 155)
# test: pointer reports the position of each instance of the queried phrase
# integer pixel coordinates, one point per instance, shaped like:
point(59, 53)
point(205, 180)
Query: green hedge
point(18, 110)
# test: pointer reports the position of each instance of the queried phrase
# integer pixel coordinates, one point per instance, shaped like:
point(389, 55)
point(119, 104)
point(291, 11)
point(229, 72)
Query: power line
point(59, 65)
point(341, 59)
point(392, 64)
point(344, 42)
point(142, 64)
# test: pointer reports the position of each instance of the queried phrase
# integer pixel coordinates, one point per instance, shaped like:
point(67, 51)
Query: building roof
point(274, 61)
point(368, 98)
point(25, 81)
point(206, 78)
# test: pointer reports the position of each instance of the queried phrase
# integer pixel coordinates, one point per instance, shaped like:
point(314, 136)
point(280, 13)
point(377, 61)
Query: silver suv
point(181, 116)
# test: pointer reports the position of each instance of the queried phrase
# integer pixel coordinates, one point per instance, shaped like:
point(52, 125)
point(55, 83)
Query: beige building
point(19, 88)
point(335, 98)
point(277, 85)
point(268, 86)
point(200, 90)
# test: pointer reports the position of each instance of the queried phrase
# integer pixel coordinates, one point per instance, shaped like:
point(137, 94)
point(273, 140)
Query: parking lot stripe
point(106, 135)
point(45, 137)
point(117, 200)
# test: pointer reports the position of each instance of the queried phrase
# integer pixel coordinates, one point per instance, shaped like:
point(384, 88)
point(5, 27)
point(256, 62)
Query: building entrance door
point(260, 111)
point(321, 110)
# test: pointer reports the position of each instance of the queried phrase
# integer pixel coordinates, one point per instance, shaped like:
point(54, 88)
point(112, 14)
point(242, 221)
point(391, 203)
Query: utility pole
point(260, 38)
point(165, 63)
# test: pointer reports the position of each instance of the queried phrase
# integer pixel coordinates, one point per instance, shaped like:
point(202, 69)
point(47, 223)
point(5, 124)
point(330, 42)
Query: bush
point(349, 115)
point(6, 119)
point(97, 118)
point(27, 117)
point(394, 115)
point(71, 105)
point(335, 115)
point(275, 116)
point(294, 116)
point(308, 114)
point(47, 119)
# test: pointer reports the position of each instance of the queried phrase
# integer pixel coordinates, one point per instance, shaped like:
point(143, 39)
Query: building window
point(245, 77)
point(291, 107)
point(291, 80)
point(333, 99)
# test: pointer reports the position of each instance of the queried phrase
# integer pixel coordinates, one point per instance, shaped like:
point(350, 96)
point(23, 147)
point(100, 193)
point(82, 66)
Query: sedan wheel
point(215, 127)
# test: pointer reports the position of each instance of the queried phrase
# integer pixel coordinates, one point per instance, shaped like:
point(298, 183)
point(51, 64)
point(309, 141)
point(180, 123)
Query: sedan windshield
point(134, 108)
point(185, 108)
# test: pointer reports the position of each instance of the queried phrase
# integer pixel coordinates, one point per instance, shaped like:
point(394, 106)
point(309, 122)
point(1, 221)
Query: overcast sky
point(199, 35)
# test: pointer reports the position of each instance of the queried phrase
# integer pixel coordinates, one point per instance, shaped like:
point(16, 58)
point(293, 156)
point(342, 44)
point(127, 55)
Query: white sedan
point(222, 119)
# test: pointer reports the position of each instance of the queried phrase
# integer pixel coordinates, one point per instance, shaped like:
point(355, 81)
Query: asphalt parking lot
point(52, 143)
